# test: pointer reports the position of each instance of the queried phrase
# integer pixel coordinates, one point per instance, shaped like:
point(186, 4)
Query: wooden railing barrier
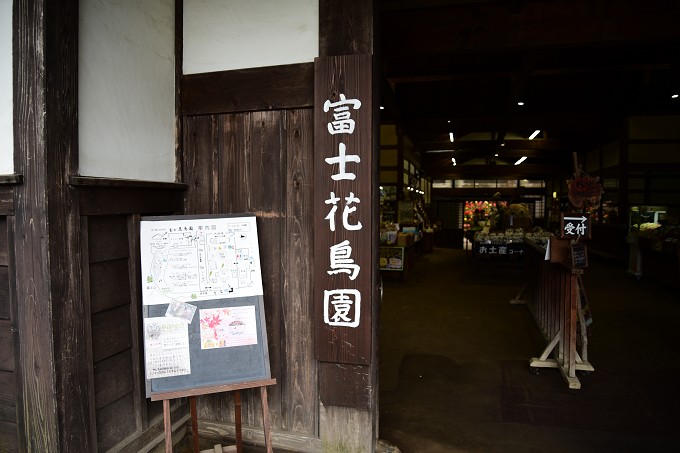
point(555, 296)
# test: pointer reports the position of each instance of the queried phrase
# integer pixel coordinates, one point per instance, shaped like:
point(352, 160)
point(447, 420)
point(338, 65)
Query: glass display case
point(643, 220)
point(654, 238)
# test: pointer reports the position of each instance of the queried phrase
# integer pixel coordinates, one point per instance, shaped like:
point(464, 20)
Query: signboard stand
point(203, 309)
point(236, 389)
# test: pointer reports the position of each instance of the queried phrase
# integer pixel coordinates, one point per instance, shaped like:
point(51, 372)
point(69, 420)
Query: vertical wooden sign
point(343, 208)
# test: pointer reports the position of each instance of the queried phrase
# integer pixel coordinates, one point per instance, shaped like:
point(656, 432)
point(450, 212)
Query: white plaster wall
point(222, 35)
point(126, 100)
point(6, 114)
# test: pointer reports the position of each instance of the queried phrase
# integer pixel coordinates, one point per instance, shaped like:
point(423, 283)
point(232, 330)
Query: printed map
point(199, 259)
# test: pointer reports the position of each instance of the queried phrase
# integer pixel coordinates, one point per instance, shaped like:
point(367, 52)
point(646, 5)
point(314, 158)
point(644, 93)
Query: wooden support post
point(194, 422)
point(237, 421)
point(167, 423)
point(265, 420)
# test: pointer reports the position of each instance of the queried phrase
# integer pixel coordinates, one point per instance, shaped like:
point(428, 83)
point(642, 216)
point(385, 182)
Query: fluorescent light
point(520, 160)
point(533, 136)
point(382, 108)
point(453, 161)
point(520, 103)
point(675, 96)
point(451, 136)
point(496, 154)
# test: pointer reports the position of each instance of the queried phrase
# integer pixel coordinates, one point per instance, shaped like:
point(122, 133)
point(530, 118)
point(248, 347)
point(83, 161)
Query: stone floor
point(454, 374)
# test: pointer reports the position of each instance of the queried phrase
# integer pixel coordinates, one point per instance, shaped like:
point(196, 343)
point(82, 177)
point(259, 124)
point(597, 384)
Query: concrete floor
point(454, 374)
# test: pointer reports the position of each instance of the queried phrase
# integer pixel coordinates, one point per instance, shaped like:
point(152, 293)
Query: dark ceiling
point(580, 67)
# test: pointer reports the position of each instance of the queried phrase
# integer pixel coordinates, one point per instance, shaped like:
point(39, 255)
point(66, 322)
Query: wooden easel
point(236, 388)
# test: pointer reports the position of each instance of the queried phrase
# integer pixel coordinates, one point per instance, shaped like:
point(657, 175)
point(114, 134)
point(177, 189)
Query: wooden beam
point(54, 367)
point(498, 172)
point(268, 88)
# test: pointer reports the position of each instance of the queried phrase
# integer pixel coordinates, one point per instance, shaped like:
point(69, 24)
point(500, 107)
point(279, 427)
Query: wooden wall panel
point(108, 281)
point(297, 382)
point(252, 89)
point(6, 201)
point(107, 238)
point(115, 422)
point(111, 332)
point(200, 164)
point(4, 271)
point(113, 378)
point(7, 351)
point(266, 169)
point(4, 292)
point(9, 436)
point(7, 389)
point(262, 164)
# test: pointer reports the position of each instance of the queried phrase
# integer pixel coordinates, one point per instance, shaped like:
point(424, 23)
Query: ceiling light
point(451, 136)
point(675, 96)
point(533, 136)
point(453, 161)
point(520, 160)
point(520, 103)
point(382, 108)
point(496, 154)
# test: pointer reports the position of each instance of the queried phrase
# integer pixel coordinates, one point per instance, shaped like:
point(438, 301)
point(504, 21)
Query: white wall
point(6, 129)
point(234, 34)
point(126, 87)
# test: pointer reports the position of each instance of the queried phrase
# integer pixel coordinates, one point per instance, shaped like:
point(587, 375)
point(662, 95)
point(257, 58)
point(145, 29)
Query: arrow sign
point(582, 218)
point(574, 225)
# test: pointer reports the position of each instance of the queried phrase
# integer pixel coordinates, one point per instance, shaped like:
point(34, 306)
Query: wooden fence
point(556, 297)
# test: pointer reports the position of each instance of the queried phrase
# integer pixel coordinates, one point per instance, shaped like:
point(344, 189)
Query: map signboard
point(202, 302)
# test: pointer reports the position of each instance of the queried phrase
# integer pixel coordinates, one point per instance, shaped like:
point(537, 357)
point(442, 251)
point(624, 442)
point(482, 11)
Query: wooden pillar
point(346, 347)
point(53, 369)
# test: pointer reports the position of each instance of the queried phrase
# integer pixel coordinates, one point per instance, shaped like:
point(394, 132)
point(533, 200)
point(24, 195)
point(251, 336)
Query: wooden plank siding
point(261, 162)
point(111, 211)
point(9, 434)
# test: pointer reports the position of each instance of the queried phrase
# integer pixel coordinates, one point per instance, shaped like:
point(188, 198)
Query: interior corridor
point(455, 375)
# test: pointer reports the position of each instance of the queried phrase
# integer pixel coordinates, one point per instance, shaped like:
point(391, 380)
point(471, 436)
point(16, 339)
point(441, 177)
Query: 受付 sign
point(573, 226)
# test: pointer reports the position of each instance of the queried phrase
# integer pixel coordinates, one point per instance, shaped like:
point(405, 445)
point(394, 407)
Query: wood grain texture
point(113, 379)
point(111, 332)
point(6, 353)
point(201, 153)
point(297, 382)
point(33, 123)
point(105, 200)
point(263, 166)
point(243, 90)
point(6, 201)
point(347, 27)
point(108, 283)
point(9, 435)
point(345, 385)
point(114, 422)
point(351, 76)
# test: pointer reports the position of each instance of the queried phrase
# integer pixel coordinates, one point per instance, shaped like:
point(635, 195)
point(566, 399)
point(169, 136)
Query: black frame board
point(216, 366)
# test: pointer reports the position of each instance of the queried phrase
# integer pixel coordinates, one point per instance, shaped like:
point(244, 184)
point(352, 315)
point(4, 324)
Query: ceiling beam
point(498, 171)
